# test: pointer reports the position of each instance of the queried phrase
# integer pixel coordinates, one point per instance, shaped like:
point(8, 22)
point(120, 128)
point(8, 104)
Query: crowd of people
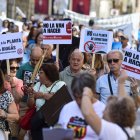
point(104, 98)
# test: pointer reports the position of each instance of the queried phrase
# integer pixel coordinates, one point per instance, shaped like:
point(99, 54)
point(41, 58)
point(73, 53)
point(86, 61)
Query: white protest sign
point(57, 32)
point(96, 41)
point(11, 46)
point(131, 63)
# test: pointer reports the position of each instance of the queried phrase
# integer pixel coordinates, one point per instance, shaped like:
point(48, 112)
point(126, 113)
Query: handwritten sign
point(96, 41)
point(57, 32)
point(11, 46)
point(131, 63)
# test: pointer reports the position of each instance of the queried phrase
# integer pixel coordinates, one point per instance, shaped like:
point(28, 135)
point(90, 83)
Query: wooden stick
point(8, 66)
point(37, 67)
point(57, 53)
point(93, 60)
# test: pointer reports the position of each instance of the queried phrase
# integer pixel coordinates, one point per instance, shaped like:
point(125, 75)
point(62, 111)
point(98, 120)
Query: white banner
point(107, 23)
point(127, 30)
point(57, 32)
point(131, 63)
point(96, 41)
point(11, 46)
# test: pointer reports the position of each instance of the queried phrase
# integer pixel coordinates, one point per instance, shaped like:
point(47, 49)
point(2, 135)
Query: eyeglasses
point(113, 60)
point(13, 68)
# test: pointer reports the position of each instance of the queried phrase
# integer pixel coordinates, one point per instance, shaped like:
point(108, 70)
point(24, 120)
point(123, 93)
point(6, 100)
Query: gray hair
point(77, 51)
point(116, 51)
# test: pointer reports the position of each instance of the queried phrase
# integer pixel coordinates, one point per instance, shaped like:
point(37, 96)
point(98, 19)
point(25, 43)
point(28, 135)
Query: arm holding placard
point(29, 89)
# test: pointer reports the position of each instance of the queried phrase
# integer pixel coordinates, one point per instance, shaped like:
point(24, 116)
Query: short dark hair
point(51, 71)
point(91, 22)
point(83, 80)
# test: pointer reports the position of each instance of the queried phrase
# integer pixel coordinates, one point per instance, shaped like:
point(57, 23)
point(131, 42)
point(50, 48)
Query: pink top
point(19, 85)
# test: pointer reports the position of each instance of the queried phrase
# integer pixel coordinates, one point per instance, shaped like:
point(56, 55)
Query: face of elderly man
point(114, 60)
point(76, 61)
point(49, 49)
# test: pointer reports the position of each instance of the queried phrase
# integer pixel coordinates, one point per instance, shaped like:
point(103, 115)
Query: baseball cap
point(124, 37)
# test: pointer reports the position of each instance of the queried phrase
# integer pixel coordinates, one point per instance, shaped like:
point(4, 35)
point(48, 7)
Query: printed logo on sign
point(68, 27)
point(19, 51)
point(89, 47)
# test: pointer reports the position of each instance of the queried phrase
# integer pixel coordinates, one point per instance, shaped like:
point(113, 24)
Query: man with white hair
point(108, 84)
point(76, 63)
point(49, 58)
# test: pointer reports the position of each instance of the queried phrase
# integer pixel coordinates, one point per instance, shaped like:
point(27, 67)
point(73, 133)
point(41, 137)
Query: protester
point(49, 84)
point(87, 61)
point(114, 59)
point(38, 41)
point(71, 116)
point(26, 55)
point(25, 30)
point(76, 62)
point(25, 73)
point(75, 31)
point(32, 35)
point(118, 118)
point(8, 109)
point(11, 26)
point(49, 58)
point(125, 42)
point(13, 85)
point(5, 25)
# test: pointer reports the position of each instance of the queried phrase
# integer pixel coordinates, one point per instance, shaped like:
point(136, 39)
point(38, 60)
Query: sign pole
point(93, 60)
point(8, 66)
point(57, 53)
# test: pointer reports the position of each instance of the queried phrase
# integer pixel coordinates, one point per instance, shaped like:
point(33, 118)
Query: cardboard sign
point(11, 46)
point(96, 41)
point(57, 32)
point(131, 63)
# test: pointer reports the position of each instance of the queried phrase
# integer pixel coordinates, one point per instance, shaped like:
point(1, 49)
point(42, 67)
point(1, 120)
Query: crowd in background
point(98, 110)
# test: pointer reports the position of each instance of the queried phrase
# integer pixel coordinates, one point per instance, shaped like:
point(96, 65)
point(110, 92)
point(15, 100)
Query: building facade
point(24, 7)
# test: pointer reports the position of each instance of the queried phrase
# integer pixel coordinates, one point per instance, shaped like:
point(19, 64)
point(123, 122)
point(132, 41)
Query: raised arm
point(89, 114)
point(135, 91)
point(121, 79)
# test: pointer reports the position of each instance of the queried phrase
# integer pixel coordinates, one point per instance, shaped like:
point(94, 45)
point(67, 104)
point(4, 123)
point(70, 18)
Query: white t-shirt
point(71, 117)
point(44, 89)
point(102, 87)
point(111, 131)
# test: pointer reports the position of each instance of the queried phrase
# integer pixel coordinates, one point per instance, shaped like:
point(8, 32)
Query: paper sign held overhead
point(96, 41)
point(57, 32)
point(11, 46)
point(131, 63)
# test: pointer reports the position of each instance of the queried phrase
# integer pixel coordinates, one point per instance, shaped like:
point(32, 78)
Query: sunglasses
point(13, 68)
point(113, 60)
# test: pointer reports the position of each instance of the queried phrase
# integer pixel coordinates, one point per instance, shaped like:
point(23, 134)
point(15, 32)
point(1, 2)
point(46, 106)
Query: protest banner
point(96, 41)
point(57, 32)
point(131, 63)
point(11, 46)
